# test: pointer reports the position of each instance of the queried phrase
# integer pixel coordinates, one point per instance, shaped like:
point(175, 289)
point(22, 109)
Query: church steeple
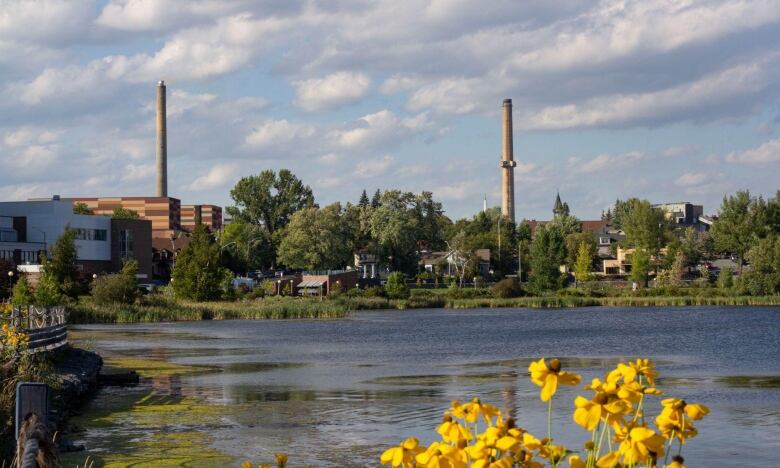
point(558, 207)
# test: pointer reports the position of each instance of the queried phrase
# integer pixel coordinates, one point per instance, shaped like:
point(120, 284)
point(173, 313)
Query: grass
point(161, 309)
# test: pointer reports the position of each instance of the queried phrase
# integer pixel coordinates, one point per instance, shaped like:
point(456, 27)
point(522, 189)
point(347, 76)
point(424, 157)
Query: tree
point(574, 242)
point(460, 255)
point(198, 274)
point(376, 200)
point(726, 278)
point(364, 199)
point(22, 294)
point(316, 238)
point(396, 286)
point(245, 247)
point(764, 276)
point(62, 269)
point(739, 225)
point(117, 288)
point(692, 247)
point(582, 266)
point(548, 252)
point(640, 266)
point(47, 291)
point(81, 208)
point(646, 227)
point(124, 213)
point(677, 271)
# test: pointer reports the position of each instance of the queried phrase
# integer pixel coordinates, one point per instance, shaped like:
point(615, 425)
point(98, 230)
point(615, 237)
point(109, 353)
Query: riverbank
point(169, 310)
point(72, 375)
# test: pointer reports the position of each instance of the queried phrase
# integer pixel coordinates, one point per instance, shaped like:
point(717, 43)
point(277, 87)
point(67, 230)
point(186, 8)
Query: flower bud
point(555, 365)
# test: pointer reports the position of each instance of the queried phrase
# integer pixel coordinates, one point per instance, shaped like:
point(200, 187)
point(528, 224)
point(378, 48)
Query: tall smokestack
point(162, 142)
point(507, 164)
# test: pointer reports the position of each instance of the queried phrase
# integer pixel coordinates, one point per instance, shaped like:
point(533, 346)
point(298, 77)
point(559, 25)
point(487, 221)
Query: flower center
point(555, 365)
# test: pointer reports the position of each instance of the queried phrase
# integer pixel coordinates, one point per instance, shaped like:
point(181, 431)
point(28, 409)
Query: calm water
point(335, 393)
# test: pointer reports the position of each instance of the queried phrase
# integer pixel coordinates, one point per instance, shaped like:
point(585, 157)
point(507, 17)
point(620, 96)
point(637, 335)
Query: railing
point(46, 327)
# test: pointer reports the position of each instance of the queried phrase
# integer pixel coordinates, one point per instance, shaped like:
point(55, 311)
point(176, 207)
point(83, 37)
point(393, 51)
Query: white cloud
point(331, 91)
point(690, 178)
point(373, 167)
point(606, 162)
point(218, 176)
point(138, 172)
point(380, 128)
point(279, 134)
point(767, 153)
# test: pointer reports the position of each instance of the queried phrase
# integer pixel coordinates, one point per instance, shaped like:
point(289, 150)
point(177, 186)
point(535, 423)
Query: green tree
point(81, 208)
point(22, 294)
point(396, 287)
point(574, 242)
point(62, 269)
point(646, 227)
point(364, 201)
point(245, 247)
point(582, 267)
point(376, 200)
point(198, 274)
point(764, 276)
point(548, 252)
point(739, 225)
point(726, 278)
point(268, 200)
point(117, 288)
point(677, 271)
point(316, 238)
point(773, 214)
point(640, 266)
point(124, 213)
point(47, 291)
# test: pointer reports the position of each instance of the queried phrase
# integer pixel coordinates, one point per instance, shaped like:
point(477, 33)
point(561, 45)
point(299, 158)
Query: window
point(605, 240)
point(126, 244)
point(91, 234)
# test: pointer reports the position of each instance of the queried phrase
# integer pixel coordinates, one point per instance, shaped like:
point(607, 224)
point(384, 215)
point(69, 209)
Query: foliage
point(245, 247)
point(491, 230)
point(673, 276)
point(740, 223)
point(725, 278)
point(548, 252)
point(22, 294)
point(364, 201)
point(396, 287)
point(61, 270)
point(124, 213)
point(507, 288)
point(47, 291)
point(6, 281)
point(640, 266)
point(574, 242)
point(582, 267)
point(316, 238)
point(764, 276)
point(198, 274)
point(614, 417)
point(117, 288)
point(81, 208)
point(646, 227)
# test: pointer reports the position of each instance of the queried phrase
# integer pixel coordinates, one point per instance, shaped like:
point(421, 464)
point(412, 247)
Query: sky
point(668, 100)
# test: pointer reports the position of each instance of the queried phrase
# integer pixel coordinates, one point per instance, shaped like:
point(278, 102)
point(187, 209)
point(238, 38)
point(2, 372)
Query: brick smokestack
point(507, 164)
point(162, 142)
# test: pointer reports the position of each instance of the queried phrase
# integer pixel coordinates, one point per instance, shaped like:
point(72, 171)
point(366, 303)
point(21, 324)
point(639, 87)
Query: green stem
point(549, 421)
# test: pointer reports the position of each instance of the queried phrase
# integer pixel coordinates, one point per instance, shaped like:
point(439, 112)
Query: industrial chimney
point(507, 164)
point(162, 143)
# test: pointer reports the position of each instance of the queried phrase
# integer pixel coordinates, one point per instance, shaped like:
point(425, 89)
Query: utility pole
point(520, 261)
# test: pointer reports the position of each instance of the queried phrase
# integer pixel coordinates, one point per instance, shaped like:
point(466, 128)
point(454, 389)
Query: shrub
point(47, 292)
point(117, 288)
point(725, 278)
point(375, 291)
point(22, 293)
point(507, 288)
point(258, 292)
point(396, 286)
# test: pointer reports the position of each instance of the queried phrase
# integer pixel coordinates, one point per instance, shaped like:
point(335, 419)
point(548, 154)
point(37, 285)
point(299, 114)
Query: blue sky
point(664, 100)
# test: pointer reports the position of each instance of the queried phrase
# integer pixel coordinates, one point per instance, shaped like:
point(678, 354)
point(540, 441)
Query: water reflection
point(332, 392)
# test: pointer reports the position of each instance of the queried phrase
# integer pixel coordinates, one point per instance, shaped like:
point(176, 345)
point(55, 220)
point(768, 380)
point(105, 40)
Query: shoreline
point(306, 308)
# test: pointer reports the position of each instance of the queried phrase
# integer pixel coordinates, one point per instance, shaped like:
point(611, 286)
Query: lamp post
point(475, 283)
point(278, 287)
point(292, 293)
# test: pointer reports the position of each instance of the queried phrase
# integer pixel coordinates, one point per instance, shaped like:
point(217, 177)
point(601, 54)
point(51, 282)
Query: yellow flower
point(281, 459)
point(640, 367)
point(548, 377)
point(677, 416)
point(588, 413)
point(608, 461)
point(402, 455)
point(441, 456)
point(453, 432)
point(470, 411)
point(576, 462)
point(677, 462)
point(247, 464)
point(639, 444)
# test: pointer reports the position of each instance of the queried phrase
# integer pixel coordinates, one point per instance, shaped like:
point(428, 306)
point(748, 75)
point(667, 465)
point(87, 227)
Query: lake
point(338, 392)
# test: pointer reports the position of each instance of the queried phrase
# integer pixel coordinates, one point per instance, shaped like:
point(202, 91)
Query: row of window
point(91, 234)
point(27, 256)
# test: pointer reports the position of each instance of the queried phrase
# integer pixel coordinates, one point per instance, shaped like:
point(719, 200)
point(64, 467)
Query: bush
point(22, 293)
point(47, 292)
point(375, 291)
point(258, 292)
point(396, 286)
point(507, 288)
point(725, 278)
point(117, 288)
